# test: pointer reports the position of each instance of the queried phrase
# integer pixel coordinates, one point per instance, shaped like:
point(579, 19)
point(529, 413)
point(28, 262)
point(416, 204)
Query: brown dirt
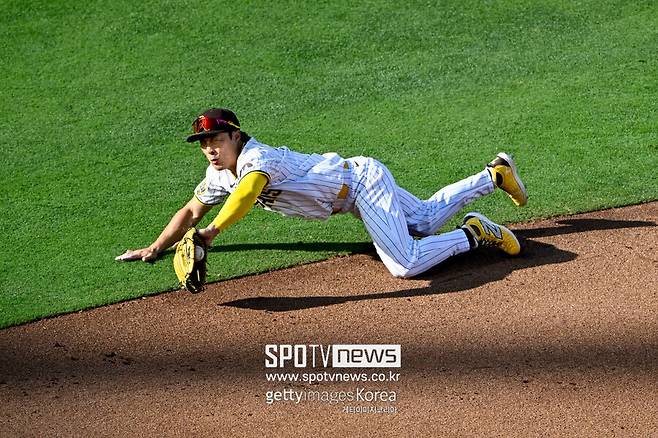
point(562, 341)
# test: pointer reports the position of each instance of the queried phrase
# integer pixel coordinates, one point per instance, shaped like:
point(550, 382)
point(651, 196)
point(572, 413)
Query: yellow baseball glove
point(190, 261)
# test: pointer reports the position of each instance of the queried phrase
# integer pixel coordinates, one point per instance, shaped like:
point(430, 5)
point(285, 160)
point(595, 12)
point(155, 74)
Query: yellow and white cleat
point(487, 233)
point(504, 175)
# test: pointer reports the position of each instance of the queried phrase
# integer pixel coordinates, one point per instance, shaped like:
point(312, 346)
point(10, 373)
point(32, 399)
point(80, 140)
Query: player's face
point(222, 150)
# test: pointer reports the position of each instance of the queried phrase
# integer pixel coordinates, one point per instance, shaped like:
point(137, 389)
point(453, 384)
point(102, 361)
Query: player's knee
point(404, 274)
point(400, 270)
point(401, 264)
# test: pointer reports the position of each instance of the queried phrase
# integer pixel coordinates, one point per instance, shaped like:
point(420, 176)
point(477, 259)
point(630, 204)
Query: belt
point(342, 194)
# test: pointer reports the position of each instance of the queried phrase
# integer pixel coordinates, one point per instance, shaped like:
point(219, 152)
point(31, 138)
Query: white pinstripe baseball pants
point(392, 216)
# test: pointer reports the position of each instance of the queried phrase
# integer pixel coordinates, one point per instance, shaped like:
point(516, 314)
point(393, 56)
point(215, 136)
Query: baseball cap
point(212, 122)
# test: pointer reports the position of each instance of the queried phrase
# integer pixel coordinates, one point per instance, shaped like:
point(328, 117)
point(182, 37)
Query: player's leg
point(505, 176)
point(425, 217)
point(378, 202)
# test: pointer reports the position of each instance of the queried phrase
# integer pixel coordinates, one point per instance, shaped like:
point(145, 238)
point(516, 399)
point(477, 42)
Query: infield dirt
point(562, 341)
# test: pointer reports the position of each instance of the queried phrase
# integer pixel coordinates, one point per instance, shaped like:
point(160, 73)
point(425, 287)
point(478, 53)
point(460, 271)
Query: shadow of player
point(571, 226)
point(458, 273)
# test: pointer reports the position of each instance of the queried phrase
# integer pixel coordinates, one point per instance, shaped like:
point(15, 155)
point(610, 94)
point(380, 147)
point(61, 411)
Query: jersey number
point(267, 197)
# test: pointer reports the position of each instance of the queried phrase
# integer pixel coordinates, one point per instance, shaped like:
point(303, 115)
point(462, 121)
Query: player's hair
point(244, 137)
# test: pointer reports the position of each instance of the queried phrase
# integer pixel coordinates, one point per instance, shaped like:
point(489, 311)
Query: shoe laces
point(490, 243)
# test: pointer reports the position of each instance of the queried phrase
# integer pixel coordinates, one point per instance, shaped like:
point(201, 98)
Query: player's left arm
point(237, 205)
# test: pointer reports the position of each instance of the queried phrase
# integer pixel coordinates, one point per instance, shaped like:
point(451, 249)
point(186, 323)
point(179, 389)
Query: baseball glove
point(190, 261)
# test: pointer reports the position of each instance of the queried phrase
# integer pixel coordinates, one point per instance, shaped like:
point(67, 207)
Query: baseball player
point(244, 172)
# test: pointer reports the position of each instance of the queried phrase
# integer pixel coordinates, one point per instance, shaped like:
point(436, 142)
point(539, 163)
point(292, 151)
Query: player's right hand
point(144, 254)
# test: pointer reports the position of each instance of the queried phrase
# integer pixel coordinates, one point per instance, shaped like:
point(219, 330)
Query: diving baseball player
point(244, 172)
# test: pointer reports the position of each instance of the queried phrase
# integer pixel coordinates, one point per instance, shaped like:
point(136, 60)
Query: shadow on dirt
point(571, 226)
point(460, 273)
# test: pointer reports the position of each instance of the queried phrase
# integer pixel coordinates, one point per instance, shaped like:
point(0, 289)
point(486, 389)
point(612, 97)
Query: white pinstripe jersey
point(303, 185)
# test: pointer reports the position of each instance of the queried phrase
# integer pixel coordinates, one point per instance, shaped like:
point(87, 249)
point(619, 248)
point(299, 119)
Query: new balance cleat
point(504, 175)
point(487, 233)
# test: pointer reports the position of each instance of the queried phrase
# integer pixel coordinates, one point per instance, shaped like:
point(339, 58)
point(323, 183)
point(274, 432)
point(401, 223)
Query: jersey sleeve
point(263, 160)
point(240, 201)
point(210, 191)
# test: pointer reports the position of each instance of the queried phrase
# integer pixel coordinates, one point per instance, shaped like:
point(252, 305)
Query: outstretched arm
point(186, 217)
point(237, 205)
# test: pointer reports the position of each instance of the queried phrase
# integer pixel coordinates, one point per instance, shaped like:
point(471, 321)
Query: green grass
point(97, 98)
